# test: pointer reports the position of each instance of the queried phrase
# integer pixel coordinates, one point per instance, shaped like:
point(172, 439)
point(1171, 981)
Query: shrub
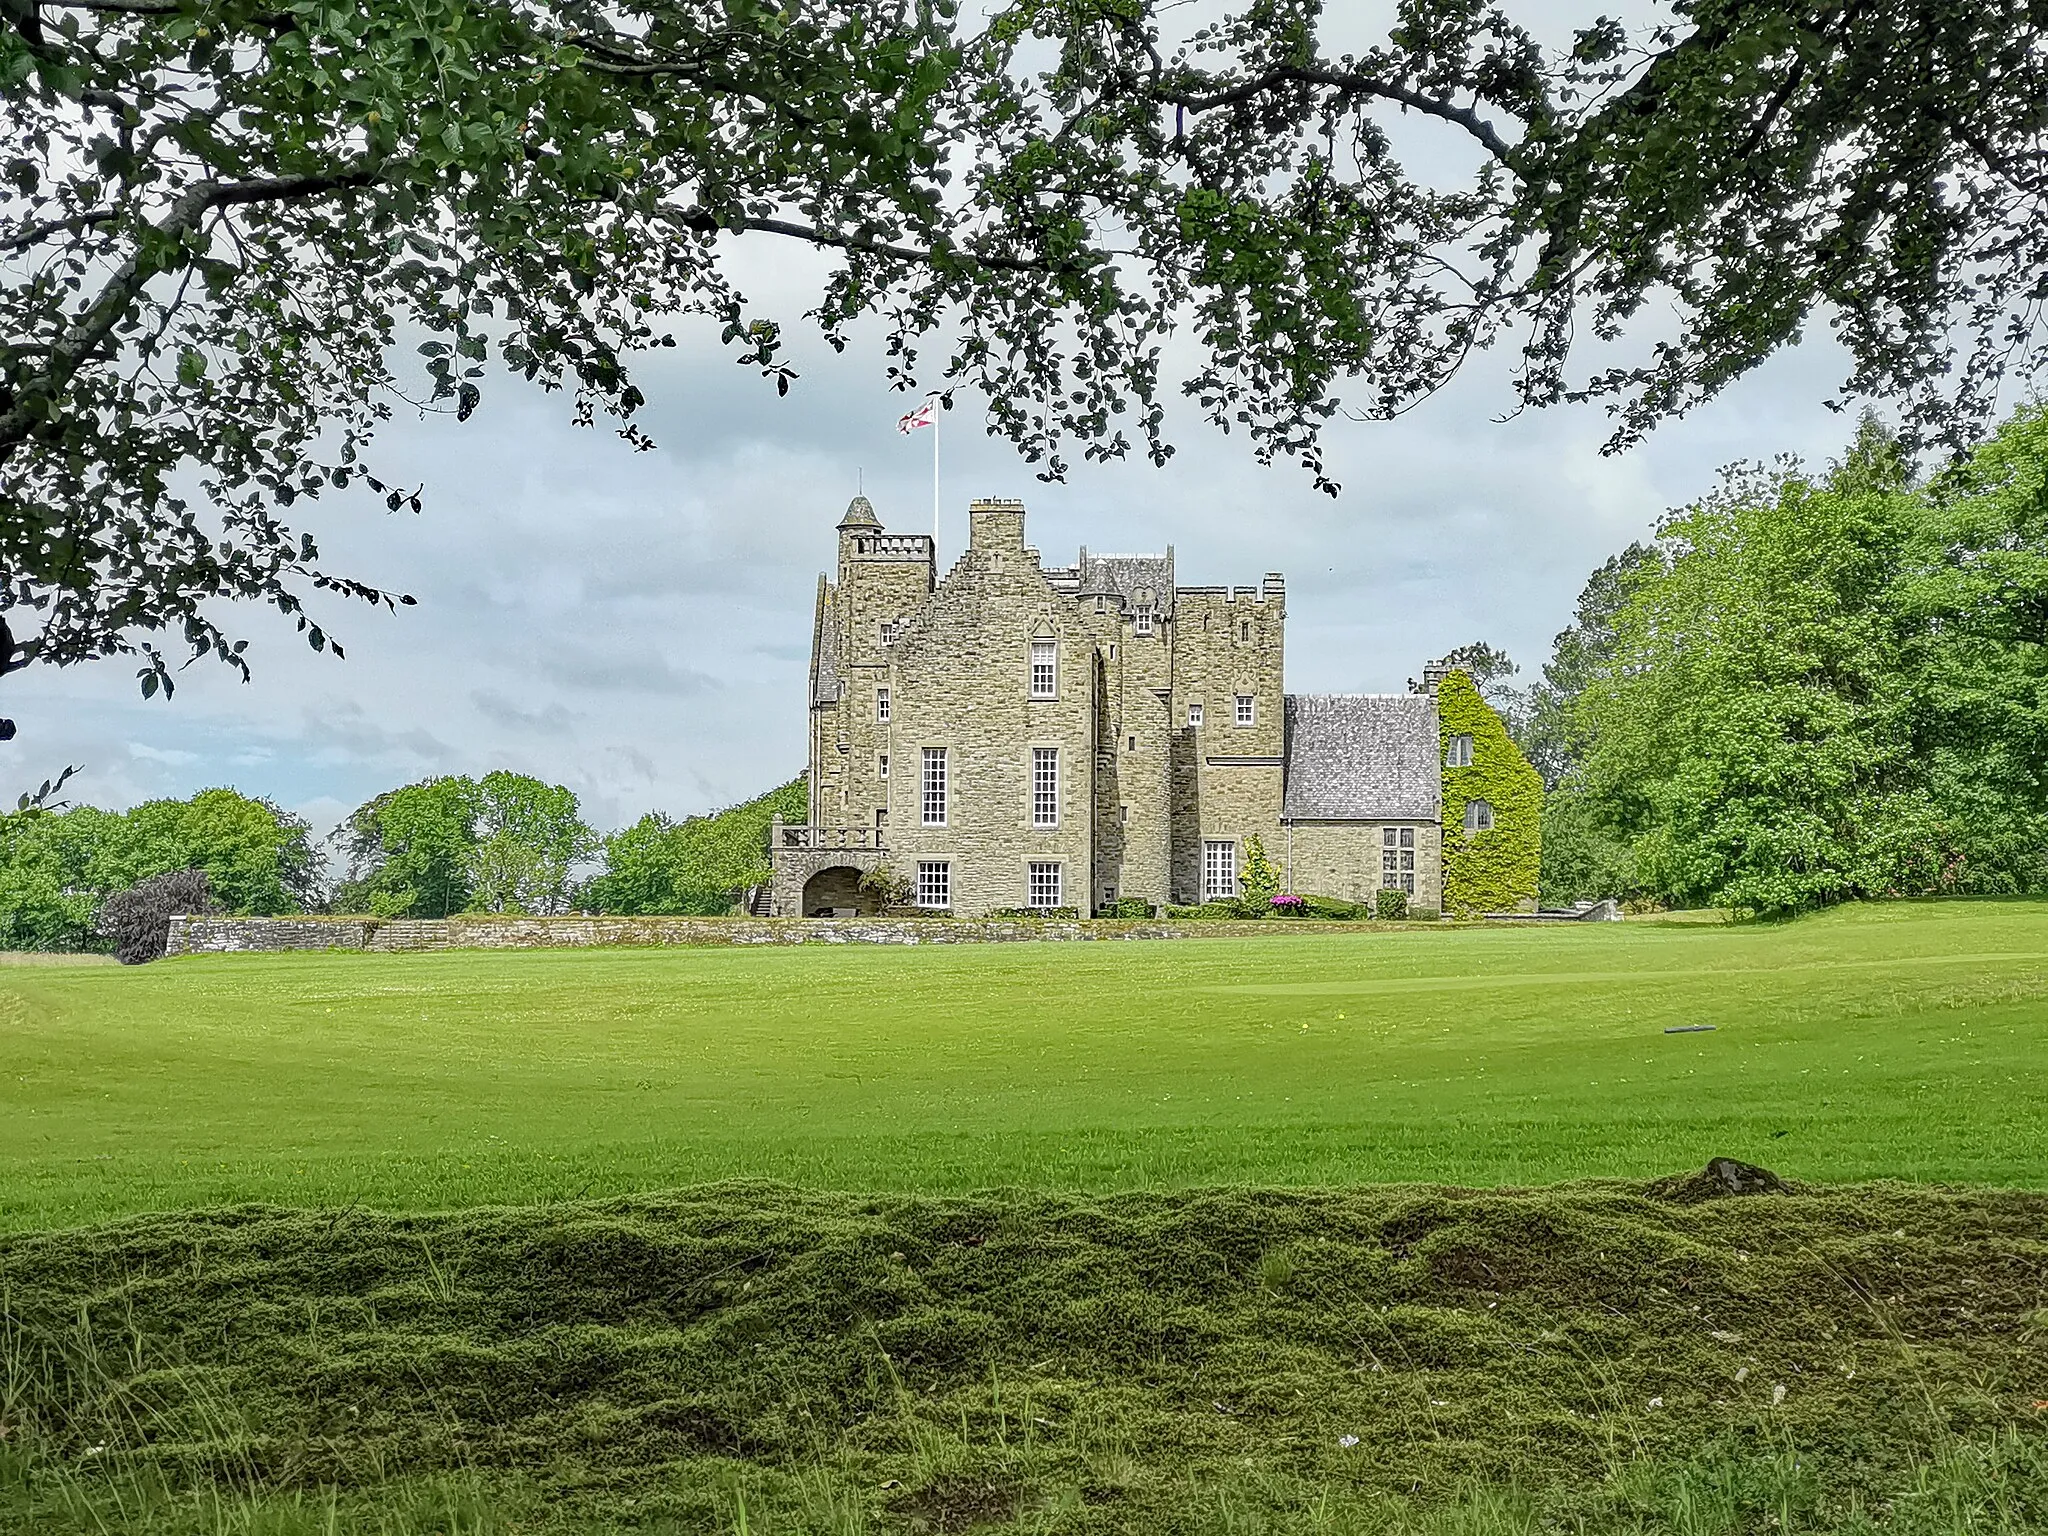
point(1390, 904)
point(1032, 912)
point(1260, 878)
point(1289, 906)
point(1128, 907)
point(138, 919)
point(1333, 909)
point(1211, 911)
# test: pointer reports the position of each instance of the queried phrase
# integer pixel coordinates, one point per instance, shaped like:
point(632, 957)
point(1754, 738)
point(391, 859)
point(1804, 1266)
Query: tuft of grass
point(748, 1357)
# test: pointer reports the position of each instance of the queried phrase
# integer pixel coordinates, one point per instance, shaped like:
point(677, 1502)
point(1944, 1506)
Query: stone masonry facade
point(1017, 736)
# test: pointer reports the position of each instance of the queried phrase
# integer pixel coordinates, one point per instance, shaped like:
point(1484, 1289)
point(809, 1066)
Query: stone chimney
point(996, 523)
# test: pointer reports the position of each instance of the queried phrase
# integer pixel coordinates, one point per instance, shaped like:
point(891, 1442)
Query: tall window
point(1194, 714)
point(1044, 675)
point(934, 883)
point(1219, 871)
point(882, 765)
point(1244, 631)
point(1460, 753)
point(1397, 858)
point(882, 705)
point(935, 787)
point(1043, 887)
point(1245, 709)
point(1141, 622)
point(1045, 787)
point(1478, 816)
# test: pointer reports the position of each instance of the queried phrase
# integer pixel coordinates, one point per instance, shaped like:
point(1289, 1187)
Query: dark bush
point(138, 920)
point(1390, 904)
point(1128, 907)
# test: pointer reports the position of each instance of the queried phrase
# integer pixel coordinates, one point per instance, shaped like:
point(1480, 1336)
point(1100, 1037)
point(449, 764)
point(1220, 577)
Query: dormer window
point(1141, 622)
point(1044, 669)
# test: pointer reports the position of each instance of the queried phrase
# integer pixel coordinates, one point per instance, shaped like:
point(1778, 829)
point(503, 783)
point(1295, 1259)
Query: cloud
point(553, 720)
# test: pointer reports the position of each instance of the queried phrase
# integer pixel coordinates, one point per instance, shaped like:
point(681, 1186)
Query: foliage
point(1259, 880)
point(887, 884)
point(1390, 904)
point(412, 850)
point(528, 838)
point(659, 866)
point(56, 867)
point(1037, 912)
point(1286, 1056)
point(1497, 869)
point(222, 219)
point(1332, 908)
point(1833, 686)
point(1128, 907)
point(969, 1363)
point(138, 920)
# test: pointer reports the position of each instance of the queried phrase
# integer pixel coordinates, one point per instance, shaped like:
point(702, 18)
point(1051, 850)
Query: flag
point(926, 415)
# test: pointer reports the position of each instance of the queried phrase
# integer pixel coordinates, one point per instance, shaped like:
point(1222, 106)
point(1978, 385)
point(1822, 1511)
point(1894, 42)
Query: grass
point(747, 1358)
point(1902, 1041)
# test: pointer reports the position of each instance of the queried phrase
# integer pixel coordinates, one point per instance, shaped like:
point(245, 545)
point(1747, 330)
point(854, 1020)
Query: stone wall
point(234, 935)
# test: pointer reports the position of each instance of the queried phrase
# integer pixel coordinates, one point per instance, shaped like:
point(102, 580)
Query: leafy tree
point(693, 866)
point(257, 857)
point(223, 219)
point(1834, 686)
point(529, 838)
point(46, 899)
point(1260, 877)
point(138, 920)
point(411, 850)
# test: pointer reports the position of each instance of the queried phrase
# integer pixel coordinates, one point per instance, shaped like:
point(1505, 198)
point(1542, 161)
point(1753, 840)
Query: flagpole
point(935, 491)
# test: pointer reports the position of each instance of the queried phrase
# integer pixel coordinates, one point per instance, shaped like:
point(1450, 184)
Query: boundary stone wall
point(238, 935)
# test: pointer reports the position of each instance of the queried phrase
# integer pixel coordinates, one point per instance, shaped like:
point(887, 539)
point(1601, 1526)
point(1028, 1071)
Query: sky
point(637, 625)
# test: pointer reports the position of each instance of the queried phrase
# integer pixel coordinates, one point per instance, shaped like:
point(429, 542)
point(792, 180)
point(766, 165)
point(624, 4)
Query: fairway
point(1900, 1041)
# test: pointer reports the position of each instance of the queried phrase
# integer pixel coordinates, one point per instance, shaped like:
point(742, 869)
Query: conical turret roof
point(860, 513)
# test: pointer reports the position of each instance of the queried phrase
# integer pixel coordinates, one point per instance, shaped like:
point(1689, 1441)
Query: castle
point(1013, 736)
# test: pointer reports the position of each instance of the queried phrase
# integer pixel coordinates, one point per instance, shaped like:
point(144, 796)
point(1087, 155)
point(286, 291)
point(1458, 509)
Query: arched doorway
point(836, 892)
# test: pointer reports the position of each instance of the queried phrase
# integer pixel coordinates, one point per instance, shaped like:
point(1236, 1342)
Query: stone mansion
point(1018, 736)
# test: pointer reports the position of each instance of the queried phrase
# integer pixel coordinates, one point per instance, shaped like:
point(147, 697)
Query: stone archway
point(836, 892)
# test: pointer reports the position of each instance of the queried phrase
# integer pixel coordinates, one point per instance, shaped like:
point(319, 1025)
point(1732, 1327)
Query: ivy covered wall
point(1495, 870)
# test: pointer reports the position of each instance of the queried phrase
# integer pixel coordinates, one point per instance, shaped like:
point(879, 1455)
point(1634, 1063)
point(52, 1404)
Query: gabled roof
point(1127, 576)
point(1362, 757)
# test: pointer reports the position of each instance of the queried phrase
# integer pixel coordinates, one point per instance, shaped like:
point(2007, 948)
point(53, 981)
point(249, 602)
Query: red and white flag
point(926, 415)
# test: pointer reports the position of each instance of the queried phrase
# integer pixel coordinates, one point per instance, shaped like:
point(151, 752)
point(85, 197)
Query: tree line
point(1809, 687)
point(504, 842)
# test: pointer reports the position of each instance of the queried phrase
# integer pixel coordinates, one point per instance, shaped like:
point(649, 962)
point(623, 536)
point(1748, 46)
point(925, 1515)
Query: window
point(891, 628)
point(1043, 886)
point(882, 766)
point(1194, 714)
point(1397, 858)
point(934, 883)
point(1102, 605)
point(1219, 871)
point(1478, 816)
point(1460, 753)
point(881, 818)
point(882, 705)
point(1246, 710)
point(1134, 743)
point(1045, 787)
point(1141, 622)
point(1244, 631)
point(1044, 675)
point(1123, 815)
point(935, 787)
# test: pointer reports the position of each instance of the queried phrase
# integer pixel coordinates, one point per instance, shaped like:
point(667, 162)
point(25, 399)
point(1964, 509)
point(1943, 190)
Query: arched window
point(1478, 816)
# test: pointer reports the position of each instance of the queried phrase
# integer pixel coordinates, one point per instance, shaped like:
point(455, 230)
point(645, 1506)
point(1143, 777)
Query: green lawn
point(1903, 1041)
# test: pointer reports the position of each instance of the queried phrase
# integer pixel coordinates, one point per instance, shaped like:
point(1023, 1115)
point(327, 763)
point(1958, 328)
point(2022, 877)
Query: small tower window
point(1460, 753)
point(1194, 714)
point(1246, 709)
point(1044, 670)
point(1244, 630)
point(1101, 604)
point(1478, 816)
point(882, 705)
point(1141, 622)
point(882, 765)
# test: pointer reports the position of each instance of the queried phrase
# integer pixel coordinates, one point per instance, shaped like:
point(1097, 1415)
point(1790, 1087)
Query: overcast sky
point(636, 626)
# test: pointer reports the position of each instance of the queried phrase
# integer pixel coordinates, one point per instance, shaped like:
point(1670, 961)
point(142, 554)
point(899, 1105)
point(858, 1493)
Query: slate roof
point(1362, 757)
point(825, 680)
point(1125, 576)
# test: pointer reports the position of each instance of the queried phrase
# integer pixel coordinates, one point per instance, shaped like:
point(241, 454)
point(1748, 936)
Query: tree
point(529, 839)
point(257, 857)
point(139, 920)
point(411, 850)
point(1832, 686)
point(224, 219)
point(658, 865)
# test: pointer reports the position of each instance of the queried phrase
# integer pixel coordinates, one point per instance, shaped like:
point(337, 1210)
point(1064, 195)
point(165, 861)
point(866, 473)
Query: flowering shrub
point(1289, 906)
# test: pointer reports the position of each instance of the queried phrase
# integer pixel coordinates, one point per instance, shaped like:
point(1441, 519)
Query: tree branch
point(704, 222)
point(1352, 85)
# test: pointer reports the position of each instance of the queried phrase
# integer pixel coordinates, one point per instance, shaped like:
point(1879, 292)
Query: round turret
point(860, 513)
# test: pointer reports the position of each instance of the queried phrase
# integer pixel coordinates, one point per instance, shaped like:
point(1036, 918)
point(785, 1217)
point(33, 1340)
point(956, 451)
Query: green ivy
point(1495, 870)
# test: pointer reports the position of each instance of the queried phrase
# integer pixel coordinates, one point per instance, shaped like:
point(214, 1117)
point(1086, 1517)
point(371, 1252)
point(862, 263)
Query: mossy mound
point(749, 1356)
